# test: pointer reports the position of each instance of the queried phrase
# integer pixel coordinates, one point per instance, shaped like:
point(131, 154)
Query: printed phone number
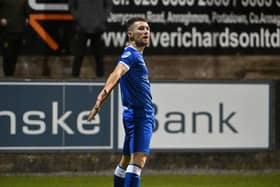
point(200, 3)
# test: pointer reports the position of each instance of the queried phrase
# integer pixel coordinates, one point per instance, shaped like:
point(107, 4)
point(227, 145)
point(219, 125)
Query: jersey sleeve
point(126, 59)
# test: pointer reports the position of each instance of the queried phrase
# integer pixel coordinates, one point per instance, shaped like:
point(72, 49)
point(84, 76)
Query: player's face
point(140, 33)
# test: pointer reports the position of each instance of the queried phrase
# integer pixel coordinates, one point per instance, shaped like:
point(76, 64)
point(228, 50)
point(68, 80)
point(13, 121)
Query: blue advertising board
point(214, 116)
point(53, 116)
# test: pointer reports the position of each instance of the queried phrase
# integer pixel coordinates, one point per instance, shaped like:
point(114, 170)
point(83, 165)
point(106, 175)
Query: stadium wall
point(161, 68)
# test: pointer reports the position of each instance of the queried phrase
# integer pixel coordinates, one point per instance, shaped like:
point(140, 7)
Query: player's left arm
point(111, 82)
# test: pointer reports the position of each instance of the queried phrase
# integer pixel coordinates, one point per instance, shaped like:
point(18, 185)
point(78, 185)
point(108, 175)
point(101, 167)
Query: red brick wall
point(161, 67)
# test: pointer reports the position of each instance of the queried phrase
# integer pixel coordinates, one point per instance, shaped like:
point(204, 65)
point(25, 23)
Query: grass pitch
point(256, 180)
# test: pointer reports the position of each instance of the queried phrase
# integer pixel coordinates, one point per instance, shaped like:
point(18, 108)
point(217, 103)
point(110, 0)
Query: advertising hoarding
point(210, 116)
point(189, 27)
point(52, 116)
point(189, 116)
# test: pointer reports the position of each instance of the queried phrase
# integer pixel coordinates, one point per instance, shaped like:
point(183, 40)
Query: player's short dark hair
point(133, 20)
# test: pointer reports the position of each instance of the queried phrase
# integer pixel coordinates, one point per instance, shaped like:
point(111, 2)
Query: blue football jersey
point(135, 84)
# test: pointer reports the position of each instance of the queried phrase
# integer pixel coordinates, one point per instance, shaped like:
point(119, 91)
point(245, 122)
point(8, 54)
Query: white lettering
point(60, 121)
point(120, 2)
point(278, 3)
point(12, 117)
point(31, 124)
point(48, 6)
point(256, 3)
point(178, 2)
point(195, 38)
point(82, 123)
point(145, 2)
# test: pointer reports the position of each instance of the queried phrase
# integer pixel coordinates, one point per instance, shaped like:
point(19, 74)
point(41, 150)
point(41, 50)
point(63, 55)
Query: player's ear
point(130, 35)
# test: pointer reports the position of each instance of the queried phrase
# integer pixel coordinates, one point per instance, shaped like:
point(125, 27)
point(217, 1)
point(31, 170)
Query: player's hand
point(96, 108)
point(93, 113)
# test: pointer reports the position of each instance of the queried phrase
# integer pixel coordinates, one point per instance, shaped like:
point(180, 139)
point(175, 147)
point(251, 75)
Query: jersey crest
point(126, 54)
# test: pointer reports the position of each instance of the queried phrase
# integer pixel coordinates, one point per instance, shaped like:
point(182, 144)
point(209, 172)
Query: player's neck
point(138, 48)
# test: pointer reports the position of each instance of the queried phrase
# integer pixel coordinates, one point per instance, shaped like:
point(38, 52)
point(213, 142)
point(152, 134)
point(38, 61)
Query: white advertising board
point(206, 116)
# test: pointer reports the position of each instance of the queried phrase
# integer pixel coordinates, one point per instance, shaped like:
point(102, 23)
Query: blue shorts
point(138, 131)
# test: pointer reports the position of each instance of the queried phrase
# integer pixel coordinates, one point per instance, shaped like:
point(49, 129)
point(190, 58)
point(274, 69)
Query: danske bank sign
point(51, 116)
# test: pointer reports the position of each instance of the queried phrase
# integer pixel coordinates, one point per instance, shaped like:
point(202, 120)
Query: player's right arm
point(111, 82)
